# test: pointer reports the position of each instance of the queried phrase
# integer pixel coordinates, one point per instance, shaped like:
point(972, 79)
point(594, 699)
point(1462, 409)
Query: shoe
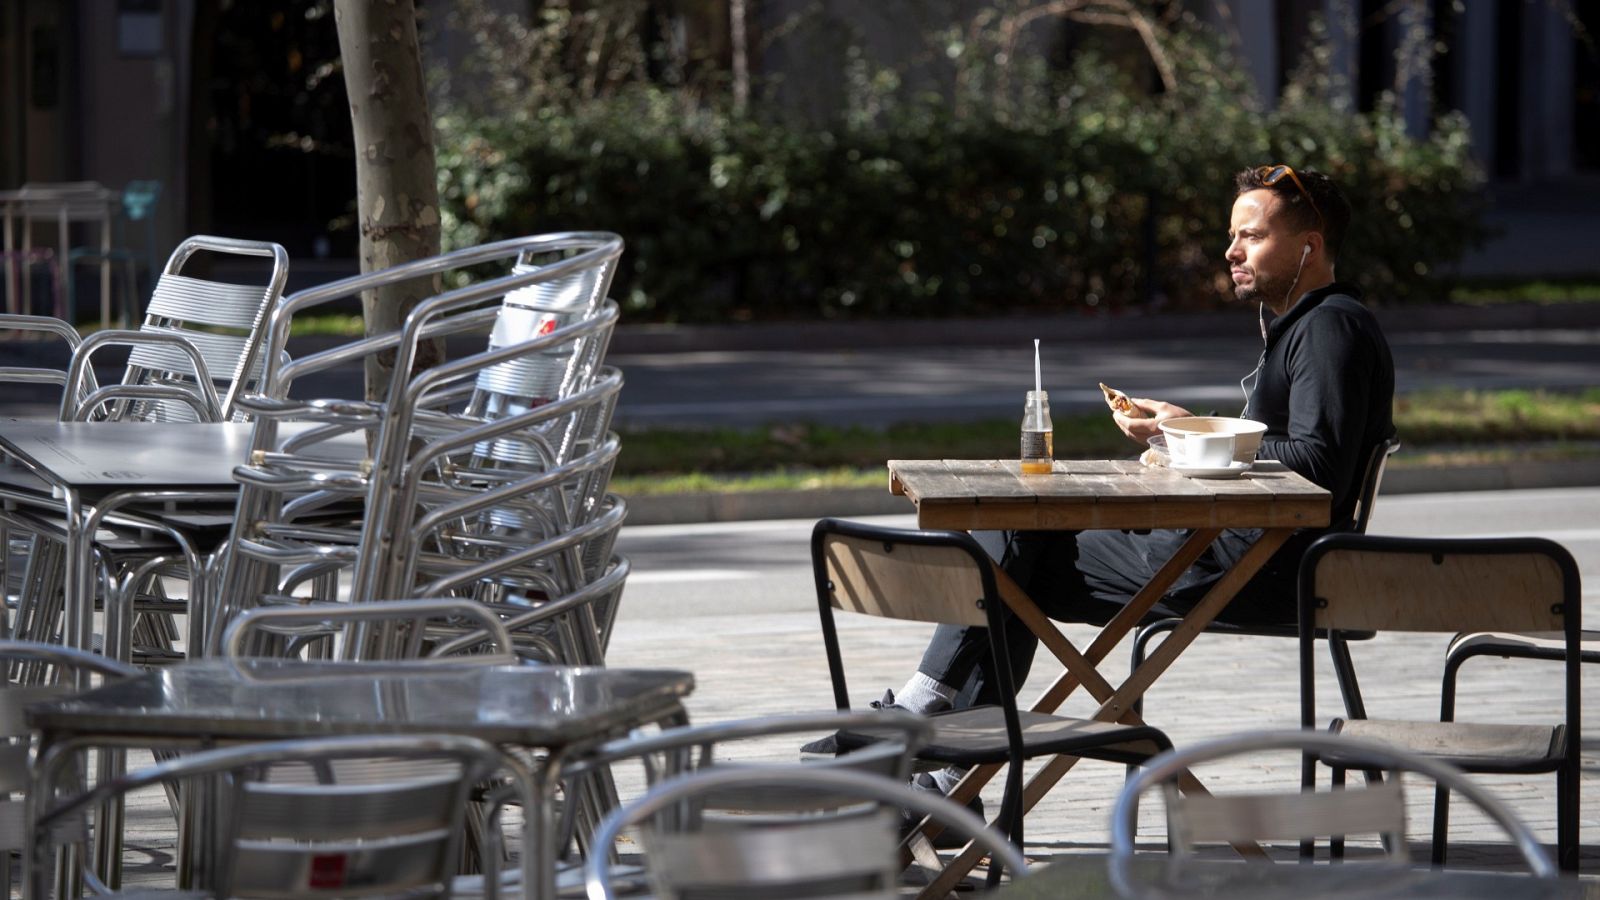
point(829, 746)
point(947, 839)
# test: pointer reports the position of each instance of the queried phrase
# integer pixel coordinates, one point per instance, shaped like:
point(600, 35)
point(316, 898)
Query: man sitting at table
point(1324, 386)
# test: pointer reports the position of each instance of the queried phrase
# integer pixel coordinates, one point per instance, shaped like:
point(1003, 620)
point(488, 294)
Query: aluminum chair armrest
point(47, 324)
point(209, 403)
point(67, 656)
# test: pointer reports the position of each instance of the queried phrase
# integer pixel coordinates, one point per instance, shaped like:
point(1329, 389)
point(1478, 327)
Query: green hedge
point(1107, 198)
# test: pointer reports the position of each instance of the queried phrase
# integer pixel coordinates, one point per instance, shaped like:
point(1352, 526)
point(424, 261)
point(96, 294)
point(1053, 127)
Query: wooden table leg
point(1115, 705)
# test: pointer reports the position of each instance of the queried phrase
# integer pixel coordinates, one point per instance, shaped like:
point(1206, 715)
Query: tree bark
point(739, 39)
point(397, 188)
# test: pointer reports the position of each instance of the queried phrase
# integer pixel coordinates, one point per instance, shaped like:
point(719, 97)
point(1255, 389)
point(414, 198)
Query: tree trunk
point(739, 39)
point(397, 188)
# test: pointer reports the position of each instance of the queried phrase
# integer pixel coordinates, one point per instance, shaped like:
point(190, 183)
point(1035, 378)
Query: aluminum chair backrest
point(321, 837)
point(835, 850)
point(558, 607)
point(421, 406)
point(1293, 814)
point(675, 751)
point(485, 524)
point(231, 316)
point(466, 471)
point(541, 308)
point(219, 323)
point(435, 314)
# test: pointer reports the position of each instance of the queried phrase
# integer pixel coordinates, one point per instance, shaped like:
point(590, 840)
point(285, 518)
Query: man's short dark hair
point(1325, 198)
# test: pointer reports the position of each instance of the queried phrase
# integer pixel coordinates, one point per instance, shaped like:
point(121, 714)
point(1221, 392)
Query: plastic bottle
point(1038, 436)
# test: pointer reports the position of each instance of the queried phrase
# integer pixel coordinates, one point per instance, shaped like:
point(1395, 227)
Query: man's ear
point(1315, 242)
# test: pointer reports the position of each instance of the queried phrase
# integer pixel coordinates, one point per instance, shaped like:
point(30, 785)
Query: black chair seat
point(1475, 746)
point(977, 736)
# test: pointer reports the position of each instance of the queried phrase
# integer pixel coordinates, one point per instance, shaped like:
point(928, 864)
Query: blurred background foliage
point(991, 172)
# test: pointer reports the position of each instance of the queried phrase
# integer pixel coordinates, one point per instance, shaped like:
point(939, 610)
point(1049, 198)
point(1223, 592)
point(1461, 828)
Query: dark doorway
point(1586, 86)
point(276, 125)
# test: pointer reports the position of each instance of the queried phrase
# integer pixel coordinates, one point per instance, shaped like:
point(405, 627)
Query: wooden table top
point(973, 494)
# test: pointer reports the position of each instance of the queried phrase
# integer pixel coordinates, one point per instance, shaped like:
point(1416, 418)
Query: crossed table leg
point(1116, 704)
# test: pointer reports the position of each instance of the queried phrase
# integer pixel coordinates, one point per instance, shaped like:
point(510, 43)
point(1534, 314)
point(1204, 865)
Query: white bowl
point(1246, 434)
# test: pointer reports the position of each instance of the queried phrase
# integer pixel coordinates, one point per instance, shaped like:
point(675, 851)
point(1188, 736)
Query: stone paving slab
point(769, 664)
point(772, 663)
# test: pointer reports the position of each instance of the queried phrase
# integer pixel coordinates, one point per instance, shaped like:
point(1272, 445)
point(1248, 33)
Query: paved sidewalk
point(752, 665)
point(768, 664)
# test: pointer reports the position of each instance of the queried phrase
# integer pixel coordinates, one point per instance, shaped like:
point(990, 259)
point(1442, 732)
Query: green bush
point(1075, 189)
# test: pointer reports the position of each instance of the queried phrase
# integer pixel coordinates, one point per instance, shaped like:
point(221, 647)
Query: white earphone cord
point(1261, 319)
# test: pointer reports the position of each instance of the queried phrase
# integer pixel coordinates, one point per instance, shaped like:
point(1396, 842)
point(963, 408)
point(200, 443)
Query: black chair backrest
point(1378, 583)
point(1371, 479)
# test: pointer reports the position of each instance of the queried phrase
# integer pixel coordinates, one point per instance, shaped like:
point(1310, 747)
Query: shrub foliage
point(988, 188)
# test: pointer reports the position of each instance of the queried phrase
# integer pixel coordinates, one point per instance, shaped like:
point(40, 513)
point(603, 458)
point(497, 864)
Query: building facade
point(221, 101)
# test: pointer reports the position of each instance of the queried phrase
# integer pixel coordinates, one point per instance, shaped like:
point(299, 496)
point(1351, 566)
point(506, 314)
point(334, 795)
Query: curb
point(699, 507)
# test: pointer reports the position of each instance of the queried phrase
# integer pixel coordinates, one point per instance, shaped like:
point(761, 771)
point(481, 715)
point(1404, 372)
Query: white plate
point(1229, 471)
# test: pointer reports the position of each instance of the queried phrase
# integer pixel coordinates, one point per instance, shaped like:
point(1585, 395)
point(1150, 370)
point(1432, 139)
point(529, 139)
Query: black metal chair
point(1338, 642)
point(1443, 585)
point(946, 577)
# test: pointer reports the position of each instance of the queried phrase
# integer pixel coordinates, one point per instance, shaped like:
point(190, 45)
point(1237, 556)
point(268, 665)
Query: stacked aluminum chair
point(486, 476)
point(198, 349)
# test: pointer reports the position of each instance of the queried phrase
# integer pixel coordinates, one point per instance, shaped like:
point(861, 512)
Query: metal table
point(1090, 877)
point(88, 471)
point(208, 702)
point(1078, 495)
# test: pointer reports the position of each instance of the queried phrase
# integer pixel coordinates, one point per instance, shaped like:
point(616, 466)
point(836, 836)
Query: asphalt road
point(951, 383)
point(821, 379)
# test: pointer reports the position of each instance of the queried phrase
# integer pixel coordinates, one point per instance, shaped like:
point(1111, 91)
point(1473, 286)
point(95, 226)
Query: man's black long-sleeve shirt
point(1326, 392)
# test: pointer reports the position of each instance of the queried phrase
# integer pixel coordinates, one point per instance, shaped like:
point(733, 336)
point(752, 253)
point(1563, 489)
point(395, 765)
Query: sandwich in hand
point(1119, 402)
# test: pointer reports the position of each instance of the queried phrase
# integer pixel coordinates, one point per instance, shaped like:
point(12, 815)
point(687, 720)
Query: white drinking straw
point(1037, 387)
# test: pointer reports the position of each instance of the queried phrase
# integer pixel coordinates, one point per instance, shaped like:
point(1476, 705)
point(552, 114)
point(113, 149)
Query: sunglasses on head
point(1271, 175)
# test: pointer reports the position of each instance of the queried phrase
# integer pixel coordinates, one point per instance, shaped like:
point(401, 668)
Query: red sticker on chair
point(328, 870)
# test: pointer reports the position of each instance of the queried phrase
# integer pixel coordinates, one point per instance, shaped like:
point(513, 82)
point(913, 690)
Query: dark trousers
point(1088, 577)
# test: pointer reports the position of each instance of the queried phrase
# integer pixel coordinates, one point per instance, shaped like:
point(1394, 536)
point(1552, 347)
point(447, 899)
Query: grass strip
point(1438, 427)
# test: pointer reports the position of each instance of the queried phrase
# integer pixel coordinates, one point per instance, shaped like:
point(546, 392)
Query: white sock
point(923, 695)
point(947, 777)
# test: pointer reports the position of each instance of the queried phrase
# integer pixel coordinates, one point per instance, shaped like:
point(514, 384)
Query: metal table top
point(118, 456)
point(254, 699)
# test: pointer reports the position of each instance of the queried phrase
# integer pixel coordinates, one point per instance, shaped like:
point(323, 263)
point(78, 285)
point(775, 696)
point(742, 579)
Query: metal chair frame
point(265, 847)
point(725, 854)
point(1441, 585)
point(1338, 642)
point(950, 579)
point(1301, 815)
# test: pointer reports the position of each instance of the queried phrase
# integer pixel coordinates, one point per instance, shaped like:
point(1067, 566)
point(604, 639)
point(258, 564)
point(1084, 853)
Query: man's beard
point(1259, 289)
